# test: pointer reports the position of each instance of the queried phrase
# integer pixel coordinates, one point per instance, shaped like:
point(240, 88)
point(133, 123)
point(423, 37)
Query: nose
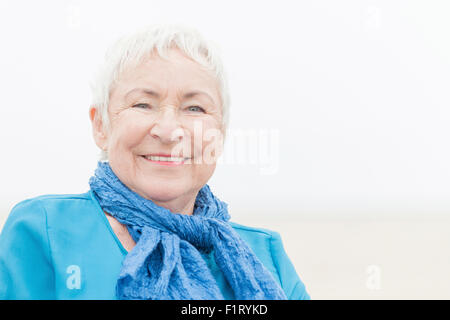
point(167, 127)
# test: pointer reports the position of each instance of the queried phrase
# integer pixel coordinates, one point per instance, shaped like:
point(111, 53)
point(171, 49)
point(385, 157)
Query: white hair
point(132, 49)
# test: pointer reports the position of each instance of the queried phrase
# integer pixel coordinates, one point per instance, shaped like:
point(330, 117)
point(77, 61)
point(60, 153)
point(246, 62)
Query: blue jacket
point(63, 247)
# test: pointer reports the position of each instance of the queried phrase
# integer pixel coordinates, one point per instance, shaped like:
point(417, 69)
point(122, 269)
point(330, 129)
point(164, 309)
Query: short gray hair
point(131, 49)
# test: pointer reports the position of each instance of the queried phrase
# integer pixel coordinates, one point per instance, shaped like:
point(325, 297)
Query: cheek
point(206, 140)
point(212, 144)
point(128, 135)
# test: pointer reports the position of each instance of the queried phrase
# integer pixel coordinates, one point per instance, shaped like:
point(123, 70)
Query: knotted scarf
point(166, 263)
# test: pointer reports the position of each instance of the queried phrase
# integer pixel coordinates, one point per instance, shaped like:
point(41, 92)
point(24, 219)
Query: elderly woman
point(149, 227)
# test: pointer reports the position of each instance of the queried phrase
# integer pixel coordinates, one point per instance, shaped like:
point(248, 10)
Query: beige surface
point(370, 259)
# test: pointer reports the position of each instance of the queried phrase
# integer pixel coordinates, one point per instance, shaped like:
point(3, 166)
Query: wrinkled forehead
point(171, 71)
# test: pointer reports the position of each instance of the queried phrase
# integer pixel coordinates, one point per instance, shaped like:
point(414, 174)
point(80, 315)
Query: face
point(168, 107)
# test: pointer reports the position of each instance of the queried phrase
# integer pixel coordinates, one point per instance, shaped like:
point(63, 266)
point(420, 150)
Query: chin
point(162, 193)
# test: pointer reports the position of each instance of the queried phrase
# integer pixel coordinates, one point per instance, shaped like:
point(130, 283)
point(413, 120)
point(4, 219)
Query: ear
point(100, 136)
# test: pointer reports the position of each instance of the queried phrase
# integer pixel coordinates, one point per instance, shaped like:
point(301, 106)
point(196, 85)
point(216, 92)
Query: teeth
point(173, 159)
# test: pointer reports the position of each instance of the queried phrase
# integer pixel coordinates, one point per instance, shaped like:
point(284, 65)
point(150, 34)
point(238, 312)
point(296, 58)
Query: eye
point(195, 109)
point(141, 106)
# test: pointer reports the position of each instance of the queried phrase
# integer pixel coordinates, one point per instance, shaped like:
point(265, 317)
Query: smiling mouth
point(167, 161)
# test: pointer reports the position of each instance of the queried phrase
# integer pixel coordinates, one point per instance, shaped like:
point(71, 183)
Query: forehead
point(175, 71)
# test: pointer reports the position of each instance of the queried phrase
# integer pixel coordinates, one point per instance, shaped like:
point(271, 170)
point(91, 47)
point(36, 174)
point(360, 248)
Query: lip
point(164, 163)
point(158, 155)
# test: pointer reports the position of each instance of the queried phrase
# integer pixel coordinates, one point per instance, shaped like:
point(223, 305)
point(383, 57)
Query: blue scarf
point(166, 263)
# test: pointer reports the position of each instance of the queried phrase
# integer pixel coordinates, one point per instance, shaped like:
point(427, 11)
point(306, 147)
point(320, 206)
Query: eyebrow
point(145, 91)
point(187, 95)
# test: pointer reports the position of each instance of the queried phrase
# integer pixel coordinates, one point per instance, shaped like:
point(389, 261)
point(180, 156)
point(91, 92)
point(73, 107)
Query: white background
point(358, 92)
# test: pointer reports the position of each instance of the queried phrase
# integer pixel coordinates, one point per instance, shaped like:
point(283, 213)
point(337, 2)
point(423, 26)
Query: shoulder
point(268, 247)
point(253, 231)
point(50, 204)
point(46, 200)
point(25, 245)
point(34, 214)
point(259, 239)
point(53, 199)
